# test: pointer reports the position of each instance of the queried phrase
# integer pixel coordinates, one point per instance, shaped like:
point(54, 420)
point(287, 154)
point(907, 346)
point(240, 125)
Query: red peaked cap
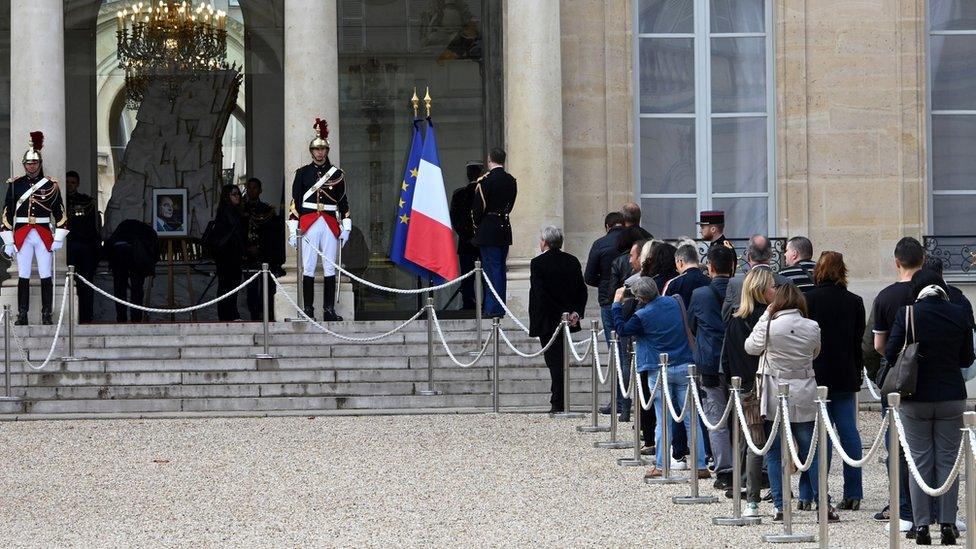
point(322, 127)
point(37, 140)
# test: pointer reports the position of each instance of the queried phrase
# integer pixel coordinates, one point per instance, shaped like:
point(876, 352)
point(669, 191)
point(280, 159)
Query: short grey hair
point(645, 289)
point(760, 250)
point(802, 245)
point(553, 237)
point(687, 253)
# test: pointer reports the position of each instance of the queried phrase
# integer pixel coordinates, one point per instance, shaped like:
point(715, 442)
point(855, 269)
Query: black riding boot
point(308, 295)
point(47, 300)
point(23, 301)
point(328, 299)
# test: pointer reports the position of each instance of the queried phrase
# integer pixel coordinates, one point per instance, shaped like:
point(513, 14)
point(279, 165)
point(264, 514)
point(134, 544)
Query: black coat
point(687, 282)
point(134, 243)
point(598, 265)
point(461, 218)
point(493, 201)
point(231, 235)
point(841, 317)
point(735, 360)
point(945, 339)
point(555, 287)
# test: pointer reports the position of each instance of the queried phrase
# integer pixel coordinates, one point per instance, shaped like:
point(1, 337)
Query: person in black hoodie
point(227, 245)
point(840, 315)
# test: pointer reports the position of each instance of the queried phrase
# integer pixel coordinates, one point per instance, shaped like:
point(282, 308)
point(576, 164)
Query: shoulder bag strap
point(684, 322)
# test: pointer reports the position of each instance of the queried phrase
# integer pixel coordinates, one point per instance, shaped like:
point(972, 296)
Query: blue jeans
point(606, 317)
point(843, 414)
point(678, 387)
point(493, 264)
point(802, 434)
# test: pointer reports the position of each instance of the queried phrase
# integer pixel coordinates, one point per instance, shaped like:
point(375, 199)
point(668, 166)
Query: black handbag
point(902, 377)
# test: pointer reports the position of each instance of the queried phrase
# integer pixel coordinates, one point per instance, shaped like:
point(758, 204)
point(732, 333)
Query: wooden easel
point(171, 257)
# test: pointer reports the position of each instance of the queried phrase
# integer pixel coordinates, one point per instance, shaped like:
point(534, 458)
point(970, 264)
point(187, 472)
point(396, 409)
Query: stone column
point(37, 99)
point(533, 130)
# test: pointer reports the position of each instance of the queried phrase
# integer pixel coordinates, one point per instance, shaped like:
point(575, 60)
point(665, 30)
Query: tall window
point(952, 116)
point(705, 114)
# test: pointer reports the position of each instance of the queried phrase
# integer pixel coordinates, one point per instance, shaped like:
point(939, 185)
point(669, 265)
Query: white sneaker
point(904, 525)
point(679, 464)
point(751, 510)
point(961, 526)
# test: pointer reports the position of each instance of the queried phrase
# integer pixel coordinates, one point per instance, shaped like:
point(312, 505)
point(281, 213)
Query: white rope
point(801, 466)
point(169, 311)
point(972, 443)
point(615, 358)
point(504, 306)
point(913, 467)
point(54, 341)
point(701, 412)
point(375, 286)
point(572, 347)
point(667, 398)
point(646, 404)
point(552, 340)
point(368, 339)
point(745, 428)
point(599, 367)
point(440, 333)
point(871, 387)
point(835, 439)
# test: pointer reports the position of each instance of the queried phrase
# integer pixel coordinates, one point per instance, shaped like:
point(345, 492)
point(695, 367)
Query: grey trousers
point(932, 430)
point(716, 398)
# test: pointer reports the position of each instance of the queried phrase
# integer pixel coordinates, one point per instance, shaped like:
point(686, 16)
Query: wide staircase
point(210, 368)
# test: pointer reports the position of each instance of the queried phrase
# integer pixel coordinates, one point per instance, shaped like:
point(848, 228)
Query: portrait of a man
point(169, 212)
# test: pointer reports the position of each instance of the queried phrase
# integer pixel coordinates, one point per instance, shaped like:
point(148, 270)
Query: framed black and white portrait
point(169, 212)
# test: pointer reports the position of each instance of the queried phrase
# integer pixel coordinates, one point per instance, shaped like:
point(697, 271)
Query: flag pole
point(427, 101)
point(416, 104)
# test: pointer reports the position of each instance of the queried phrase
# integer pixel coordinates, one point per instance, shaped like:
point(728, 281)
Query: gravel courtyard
point(441, 480)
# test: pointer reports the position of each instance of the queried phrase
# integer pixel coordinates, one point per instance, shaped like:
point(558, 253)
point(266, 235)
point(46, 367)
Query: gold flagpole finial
point(416, 102)
point(427, 101)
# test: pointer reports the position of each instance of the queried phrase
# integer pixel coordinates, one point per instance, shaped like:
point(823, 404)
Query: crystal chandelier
point(169, 42)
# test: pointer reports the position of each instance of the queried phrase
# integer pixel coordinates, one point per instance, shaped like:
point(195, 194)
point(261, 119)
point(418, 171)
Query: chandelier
point(169, 42)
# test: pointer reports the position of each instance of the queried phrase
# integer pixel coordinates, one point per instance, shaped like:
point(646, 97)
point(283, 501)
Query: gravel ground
point(441, 480)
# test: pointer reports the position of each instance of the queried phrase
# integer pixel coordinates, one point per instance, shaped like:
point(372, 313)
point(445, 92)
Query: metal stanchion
point(595, 426)
point(823, 449)
point(613, 443)
point(663, 419)
point(693, 443)
point(637, 460)
point(969, 423)
point(69, 288)
point(736, 519)
point(430, 391)
point(266, 355)
point(6, 353)
point(494, 363)
point(299, 272)
point(567, 412)
point(894, 533)
point(787, 490)
point(479, 298)
point(338, 275)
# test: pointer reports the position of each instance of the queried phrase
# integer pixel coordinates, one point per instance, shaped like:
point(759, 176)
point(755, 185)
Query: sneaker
point(647, 450)
point(768, 496)
point(680, 464)
point(777, 515)
point(605, 410)
point(751, 510)
point(905, 525)
point(961, 526)
point(832, 515)
point(849, 504)
point(802, 505)
point(882, 515)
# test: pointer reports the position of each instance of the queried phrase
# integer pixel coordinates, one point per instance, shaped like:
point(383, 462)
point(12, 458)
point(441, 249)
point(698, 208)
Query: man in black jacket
point(84, 241)
point(493, 202)
point(555, 287)
point(132, 252)
point(598, 274)
point(464, 227)
point(263, 245)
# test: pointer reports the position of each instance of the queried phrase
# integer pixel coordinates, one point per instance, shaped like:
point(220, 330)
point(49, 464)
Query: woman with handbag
point(787, 342)
point(839, 367)
point(757, 291)
point(933, 337)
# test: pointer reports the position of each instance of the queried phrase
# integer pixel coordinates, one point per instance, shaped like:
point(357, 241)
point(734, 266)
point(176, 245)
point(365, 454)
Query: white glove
point(56, 245)
point(293, 240)
point(293, 233)
point(343, 238)
point(10, 250)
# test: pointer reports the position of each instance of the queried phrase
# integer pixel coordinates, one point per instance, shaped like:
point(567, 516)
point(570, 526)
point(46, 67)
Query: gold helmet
point(321, 140)
point(33, 152)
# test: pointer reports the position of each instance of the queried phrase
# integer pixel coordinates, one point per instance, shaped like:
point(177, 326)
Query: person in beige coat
point(787, 342)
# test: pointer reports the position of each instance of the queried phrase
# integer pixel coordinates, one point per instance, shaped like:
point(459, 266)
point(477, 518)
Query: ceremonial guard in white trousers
point(34, 226)
point(320, 209)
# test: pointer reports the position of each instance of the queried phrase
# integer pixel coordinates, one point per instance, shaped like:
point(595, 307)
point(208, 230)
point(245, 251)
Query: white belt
point(319, 207)
point(32, 220)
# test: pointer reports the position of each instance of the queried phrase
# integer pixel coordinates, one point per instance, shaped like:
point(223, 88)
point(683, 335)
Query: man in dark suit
point(555, 287)
point(493, 202)
point(463, 226)
point(132, 252)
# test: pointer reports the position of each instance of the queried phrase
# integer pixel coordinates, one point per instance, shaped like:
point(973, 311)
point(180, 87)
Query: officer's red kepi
point(712, 217)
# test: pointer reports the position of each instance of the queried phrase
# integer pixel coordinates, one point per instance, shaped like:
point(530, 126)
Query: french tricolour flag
point(430, 238)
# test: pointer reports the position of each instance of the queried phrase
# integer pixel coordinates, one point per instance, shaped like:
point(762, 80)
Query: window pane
point(952, 14)
point(669, 217)
point(953, 72)
point(952, 215)
point(739, 155)
point(737, 16)
point(953, 146)
point(667, 155)
point(738, 75)
point(666, 16)
point(744, 217)
point(667, 75)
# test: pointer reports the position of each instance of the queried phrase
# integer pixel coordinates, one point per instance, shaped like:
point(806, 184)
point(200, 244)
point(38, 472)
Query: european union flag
point(405, 207)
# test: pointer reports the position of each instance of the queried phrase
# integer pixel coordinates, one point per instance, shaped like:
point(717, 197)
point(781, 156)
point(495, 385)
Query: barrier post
point(969, 423)
point(266, 354)
point(613, 443)
point(637, 460)
point(338, 275)
point(663, 418)
point(69, 287)
point(430, 391)
point(479, 298)
point(823, 447)
point(299, 272)
point(567, 412)
point(595, 426)
point(6, 351)
point(787, 488)
point(894, 534)
point(494, 363)
point(737, 469)
point(693, 443)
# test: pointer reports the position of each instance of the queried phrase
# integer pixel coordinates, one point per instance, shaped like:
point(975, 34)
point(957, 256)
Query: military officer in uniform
point(83, 241)
point(711, 224)
point(34, 226)
point(320, 209)
point(494, 198)
point(264, 245)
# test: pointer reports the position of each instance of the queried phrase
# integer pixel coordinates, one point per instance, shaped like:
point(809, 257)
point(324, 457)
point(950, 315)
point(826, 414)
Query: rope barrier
point(54, 340)
point(745, 428)
point(615, 349)
point(646, 404)
point(572, 348)
point(701, 413)
point(169, 311)
point(913, 467)
point(504, 306)
point(528, 355)
point(802, 466)
point(440, 333)
point(670, 403)
point(835, 439)
point(871, 387)
point(599, 367)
